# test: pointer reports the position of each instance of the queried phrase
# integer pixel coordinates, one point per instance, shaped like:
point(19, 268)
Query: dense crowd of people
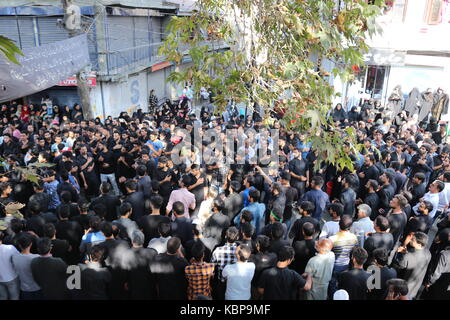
point(108, 197)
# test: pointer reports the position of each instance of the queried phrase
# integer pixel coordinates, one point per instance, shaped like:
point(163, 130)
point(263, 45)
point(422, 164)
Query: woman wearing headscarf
point(65, 112)
point(353, 115)
point(77, 113)
point(339, 114)
point(25, 114)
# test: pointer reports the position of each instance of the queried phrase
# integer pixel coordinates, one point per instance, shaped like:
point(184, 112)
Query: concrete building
point(124, 37)
point(413, 50)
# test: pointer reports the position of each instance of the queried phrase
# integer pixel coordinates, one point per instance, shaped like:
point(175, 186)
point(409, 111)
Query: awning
point(42, 67)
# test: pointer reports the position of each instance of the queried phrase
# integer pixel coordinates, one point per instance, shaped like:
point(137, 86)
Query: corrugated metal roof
point(149, 4)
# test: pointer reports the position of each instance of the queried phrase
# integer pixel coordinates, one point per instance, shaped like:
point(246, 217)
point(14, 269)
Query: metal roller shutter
point(120, 37)
point(49, 32)
point(26, 32)
point(142, 38)
point(92, 46)
point(156, 29)
point(8, 28)
point(59, 96)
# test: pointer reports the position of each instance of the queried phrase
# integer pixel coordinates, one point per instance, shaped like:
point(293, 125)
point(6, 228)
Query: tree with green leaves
point(9, 50)
point(276, 49)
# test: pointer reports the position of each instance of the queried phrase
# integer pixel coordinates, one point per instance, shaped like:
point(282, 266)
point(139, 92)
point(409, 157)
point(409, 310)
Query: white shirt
point(7, 271)
point(239, 277)
point(159, 244)
point(329, 229)
point(446, 192)
point(431, 197)
point(364, 224)
point(443, 200)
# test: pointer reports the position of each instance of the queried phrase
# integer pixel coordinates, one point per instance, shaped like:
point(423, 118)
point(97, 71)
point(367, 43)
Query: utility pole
point(72, 23)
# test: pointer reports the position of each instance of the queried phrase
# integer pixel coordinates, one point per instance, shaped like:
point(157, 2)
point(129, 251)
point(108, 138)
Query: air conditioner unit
point(72, 17)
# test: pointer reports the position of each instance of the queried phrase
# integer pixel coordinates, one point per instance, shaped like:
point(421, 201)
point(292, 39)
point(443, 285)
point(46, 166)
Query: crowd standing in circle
point(140, 225)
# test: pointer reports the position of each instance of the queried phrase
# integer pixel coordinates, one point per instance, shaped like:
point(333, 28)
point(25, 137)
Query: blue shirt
point(245, 196)
point(74, 182)
point(320, 200)
point(157, 145)
point(51, 189)
point(360, 159)
point(93, 237)
point(258, 210)
point(54, 147)
point(301, 145)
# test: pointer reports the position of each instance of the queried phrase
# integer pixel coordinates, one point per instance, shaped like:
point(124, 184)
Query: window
point(375, 78)
point(398, 10)
point(433, 11)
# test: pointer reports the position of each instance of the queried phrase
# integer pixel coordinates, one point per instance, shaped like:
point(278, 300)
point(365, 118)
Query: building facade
point(123, 46)
point(413, 51)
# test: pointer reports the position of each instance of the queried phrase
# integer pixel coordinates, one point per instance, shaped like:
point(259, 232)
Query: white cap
point(341, 295)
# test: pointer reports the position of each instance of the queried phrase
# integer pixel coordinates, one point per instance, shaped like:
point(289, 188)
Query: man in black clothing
point(84, 216)
point(399, 177)
point(380, 260)
point(70, 231)
point(438, 281)
point(412, 260)
point(164, 176)
point(291, 194)
point(368, 171)
point(246, 233)
point(304, 249)
point(354, 281)
point(89, 179)
point(282, 283)
point(217, 223)
point(66, 202)
point(421, 222)
point(95, 279)
point(144, 183)
point(35, 223)
point(209, 243)
point(50, 273)
point(234, 202)
point(380, 239)
point(277, 242)
point(136, 199)
point(141, 281)
point(439, 136)
point(67, 186)
point(107, 163)
point(418, 188)
point(111, 202)
point(397, 217)
point(169, 271)
point(149, 164)
point(40, 197)
point(306, 209)
point(182, 226)
point(348, 195)
point(149, 223)
point(298, 170)
point(116, 252)
point(386, 191)
point(372, 199)
point(422, 162)
point(60, 248)
point(5, 197)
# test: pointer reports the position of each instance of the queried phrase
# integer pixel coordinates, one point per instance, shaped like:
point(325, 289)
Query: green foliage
point(9, 50)
point(275, 49)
